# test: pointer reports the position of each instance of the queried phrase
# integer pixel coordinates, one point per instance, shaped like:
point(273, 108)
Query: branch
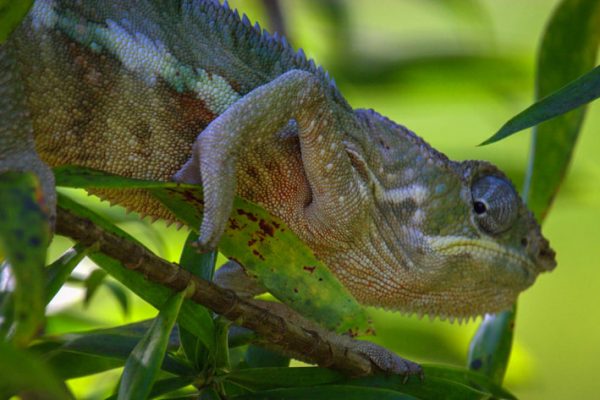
point(296, 337)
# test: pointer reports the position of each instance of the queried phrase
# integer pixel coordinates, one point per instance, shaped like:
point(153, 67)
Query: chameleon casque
point(164, 90)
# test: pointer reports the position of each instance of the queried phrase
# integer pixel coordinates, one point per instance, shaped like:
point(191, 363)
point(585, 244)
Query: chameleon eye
point(495, 204)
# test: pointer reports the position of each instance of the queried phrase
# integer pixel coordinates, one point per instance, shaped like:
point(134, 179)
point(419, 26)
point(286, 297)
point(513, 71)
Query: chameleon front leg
point(258, 116)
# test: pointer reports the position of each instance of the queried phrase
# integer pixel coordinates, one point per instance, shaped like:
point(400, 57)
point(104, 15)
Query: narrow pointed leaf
point(73, 355)
point(92, 283)
point(193, 348)
point(143, 364)
point(120, 294)
point(329, 392)
point(24, 237)
point(21, 371)
point(70, 204)
point(569, 48)
point(274, 377)
point(259, 357)
point(438, 380)
point(81, 177)
point(490, 348)
point(165, 386)
point(431, 388)
point(193, 316)
point(468, 378)
point(576, 93)
point(221, 349)
point(202, 265)
point(59, 271)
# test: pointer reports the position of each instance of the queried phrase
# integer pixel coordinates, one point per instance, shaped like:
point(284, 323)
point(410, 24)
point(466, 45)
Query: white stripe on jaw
point(416, 192)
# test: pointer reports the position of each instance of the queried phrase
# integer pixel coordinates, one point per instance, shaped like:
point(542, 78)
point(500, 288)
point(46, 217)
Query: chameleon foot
point(387, 361)
point(233, 277)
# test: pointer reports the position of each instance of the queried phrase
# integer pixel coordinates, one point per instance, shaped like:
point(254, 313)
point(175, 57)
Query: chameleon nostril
point(524, 242)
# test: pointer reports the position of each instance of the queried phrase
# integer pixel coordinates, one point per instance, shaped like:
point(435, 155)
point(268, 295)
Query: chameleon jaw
point(485, 251)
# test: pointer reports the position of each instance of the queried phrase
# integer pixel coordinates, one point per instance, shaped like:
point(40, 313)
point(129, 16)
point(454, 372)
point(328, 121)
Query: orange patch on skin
point(192, 110)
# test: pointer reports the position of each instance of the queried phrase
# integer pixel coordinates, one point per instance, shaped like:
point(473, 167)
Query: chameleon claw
point(389, 362)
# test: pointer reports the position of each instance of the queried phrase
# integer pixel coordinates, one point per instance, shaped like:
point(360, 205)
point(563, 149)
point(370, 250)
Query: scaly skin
point(130, 90)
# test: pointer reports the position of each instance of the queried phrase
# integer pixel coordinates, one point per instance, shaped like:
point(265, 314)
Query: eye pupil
point(495, 204)
point(479, 207)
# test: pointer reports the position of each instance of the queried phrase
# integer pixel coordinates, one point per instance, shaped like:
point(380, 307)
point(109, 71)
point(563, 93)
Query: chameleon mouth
point(481, 249)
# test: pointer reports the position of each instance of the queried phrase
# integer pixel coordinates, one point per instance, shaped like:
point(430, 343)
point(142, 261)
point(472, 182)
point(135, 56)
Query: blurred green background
point(453, 71)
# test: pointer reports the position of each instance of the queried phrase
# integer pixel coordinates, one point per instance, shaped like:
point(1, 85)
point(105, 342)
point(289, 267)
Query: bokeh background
point(453, 71)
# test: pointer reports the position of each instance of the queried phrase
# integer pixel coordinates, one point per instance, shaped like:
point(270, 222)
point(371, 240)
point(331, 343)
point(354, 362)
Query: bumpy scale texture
point(157, 89)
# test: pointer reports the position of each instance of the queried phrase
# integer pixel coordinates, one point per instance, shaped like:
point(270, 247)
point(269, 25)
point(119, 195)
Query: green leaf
point(569, 48)
point(11, 14)
point(275, 377)
point(259, 357)
point(468, 378)
point(24, 237)
point(92, 283)
point(59, 271)
point(221, 349)
point(431, 388)
point(199, 264)
point(208, 393)
point(79, 354)
point(81, 177)
point(120, 294)
point(23, 372)
point(203, 266)
point(490, 348)
point(69, 365)
point(71, 205)
point(165, 386)
point(440, 382)
point(143, 364)
point(260, 242)
point(195, 352)
point(193, 316)
point(329, 392)
point(571, 96)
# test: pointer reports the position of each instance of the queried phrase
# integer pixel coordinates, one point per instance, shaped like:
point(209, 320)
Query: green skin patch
point(263, 244)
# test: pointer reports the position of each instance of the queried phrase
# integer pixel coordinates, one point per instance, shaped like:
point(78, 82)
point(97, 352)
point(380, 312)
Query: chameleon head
point(471, 246)
point(449, 239)
point(492, 251)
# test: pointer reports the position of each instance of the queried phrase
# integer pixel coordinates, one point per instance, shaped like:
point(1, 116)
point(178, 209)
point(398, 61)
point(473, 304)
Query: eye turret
point(495, 204)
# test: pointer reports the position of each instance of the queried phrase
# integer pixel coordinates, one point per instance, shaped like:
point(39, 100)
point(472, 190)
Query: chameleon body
point(190, 91)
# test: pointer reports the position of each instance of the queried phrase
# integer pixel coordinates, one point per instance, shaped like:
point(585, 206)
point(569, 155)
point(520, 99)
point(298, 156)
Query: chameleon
point(190, 91)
